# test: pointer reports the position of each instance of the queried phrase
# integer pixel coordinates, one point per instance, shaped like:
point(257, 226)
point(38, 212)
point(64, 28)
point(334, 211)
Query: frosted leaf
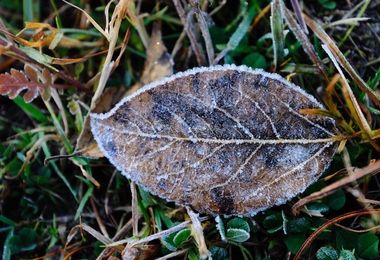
point(225, 139)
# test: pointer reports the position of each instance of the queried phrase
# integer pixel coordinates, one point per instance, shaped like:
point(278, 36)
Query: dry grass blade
point(92, 21)
point(203, 25)
point(91, 231)
point(197, 232)
point(165, 232)
point(321, 34)
point(370, 169)
point(304, 40)
point(115, 23)
point(298, 12)
point(188, 27)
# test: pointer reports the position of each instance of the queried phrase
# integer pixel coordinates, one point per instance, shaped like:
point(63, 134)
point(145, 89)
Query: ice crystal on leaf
point(225, 139)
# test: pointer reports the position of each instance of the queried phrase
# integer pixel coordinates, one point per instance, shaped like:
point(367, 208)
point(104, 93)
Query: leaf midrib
point(334, 138)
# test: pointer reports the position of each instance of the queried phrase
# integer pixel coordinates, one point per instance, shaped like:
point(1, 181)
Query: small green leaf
point(273, 222)
point(193, 254)
point(347, 255)
point(78, 69)
point(98, 248)
point(300, 225)
point(336, 200)
point(40, 57)
point(255, 60)
point(218, 253)
point(368, 246)
point(328, 4)
point(181, 236)
point(274, 230)
point(238, 223)
point(7, 221)
point(320, 207)
point(237, 235)
point(346, 239)
point(157, 220)
point(373, 110)
point(316, 186)
point(168, 242)
point(294, 242)
point(327, 253)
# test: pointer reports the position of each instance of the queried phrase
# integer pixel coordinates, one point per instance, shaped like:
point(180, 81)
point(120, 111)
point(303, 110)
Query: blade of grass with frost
point(187, 25)
point(205, 32)
point(7, 245)
point(277, 28)
point(321, 34)
point(303, 39)
point(349, 21)
point(238, 34)
point(298, 13)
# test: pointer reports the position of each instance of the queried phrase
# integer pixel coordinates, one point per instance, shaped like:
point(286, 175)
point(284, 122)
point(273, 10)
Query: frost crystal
point(225, 139)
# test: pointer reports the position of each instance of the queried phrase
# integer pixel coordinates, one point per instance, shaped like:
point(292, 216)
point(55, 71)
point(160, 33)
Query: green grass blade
point(59, 173)
point(6, 248)
point(31, 110)
point(84, 201)
point(277, 26)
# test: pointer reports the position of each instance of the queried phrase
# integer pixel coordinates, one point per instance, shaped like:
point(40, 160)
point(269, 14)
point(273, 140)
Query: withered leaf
point(225, 139)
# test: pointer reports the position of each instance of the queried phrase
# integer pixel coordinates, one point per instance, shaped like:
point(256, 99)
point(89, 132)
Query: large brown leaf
point(224, 139)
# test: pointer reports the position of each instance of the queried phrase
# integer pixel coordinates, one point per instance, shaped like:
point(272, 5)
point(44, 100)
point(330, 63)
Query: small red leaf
point(31, 78)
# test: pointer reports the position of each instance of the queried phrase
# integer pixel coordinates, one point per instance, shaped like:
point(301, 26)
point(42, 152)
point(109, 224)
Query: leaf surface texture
point(224, 139)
